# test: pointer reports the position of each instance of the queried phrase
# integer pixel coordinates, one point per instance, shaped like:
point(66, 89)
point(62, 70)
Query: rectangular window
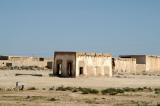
point(81, 70)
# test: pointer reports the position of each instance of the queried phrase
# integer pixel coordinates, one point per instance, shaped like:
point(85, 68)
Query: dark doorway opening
point(69, 68)
point(59, 68)
point(81, 70)
point(41, 59)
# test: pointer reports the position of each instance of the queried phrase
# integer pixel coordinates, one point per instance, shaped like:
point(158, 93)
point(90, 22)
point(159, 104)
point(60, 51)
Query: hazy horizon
point(40, 27)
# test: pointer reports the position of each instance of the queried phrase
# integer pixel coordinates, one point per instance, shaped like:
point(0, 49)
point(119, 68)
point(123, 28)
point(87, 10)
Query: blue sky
point(40, 27)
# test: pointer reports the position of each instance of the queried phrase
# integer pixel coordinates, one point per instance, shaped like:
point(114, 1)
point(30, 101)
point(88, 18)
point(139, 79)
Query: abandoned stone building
point(74, 64)
point(11, 61)
point(145, 63)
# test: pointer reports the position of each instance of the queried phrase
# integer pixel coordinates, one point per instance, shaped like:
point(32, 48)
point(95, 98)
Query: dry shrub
point(32, 88)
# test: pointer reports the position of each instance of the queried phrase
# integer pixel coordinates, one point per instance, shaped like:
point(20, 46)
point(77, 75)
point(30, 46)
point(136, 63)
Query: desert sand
point(43, 96)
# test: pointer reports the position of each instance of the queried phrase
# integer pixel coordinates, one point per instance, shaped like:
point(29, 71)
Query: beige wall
point(153, 64)
point(24, 61)
point(124, 65)
point(94, 65)
point(140, 68)
point(140, 62)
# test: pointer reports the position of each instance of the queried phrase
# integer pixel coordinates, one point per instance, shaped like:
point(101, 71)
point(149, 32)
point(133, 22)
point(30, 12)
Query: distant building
point(145, 63)
point(19, 61)
point(74, 64)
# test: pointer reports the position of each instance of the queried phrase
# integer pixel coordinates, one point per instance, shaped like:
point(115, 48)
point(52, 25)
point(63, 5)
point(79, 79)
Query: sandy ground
point(43, 97)
point(8, 79)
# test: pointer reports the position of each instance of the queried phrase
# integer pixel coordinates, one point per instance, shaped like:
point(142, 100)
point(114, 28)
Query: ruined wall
point(140, 59)
point(28, 61)
point(24, 61)
point(153, 64)
point(94, 64)
point(140, 62)
point(65, 57)
point(4, 63)
point(124, 65)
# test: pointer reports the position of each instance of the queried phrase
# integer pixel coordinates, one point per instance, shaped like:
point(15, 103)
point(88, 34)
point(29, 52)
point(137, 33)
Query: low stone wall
point(26, 62)
point(124, 65)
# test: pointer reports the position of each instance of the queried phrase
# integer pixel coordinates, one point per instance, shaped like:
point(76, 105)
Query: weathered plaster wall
point(94, 64)
point(65, 57)
point(140, 68)
point(24, 61)
point(152, 64)
point(124, 65)
point(140, 62)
